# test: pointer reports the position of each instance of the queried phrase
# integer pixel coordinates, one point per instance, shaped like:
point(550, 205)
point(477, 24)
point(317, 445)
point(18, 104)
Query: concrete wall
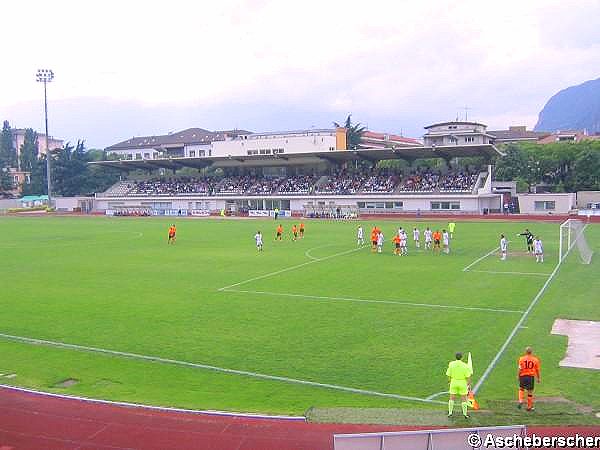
point(70, 204)
point(306, 142)
point(9, 203)
point(584, 198)
point(546, 203)
point(460, 204)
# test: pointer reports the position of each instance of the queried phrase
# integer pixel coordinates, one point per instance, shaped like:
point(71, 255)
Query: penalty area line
point(386, 302)
point(519, 324)
point(539, 274)
point(336, 387)
point(480, 259)
point(287, 269)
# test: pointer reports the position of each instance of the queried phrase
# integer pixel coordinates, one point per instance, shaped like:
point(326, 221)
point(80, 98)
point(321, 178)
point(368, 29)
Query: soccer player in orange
point(294, 232)
point(437, 238)
point(301, 230)
point(529, 370)
point(374, 234)
point(279, 232)
point(396, 240)
point(172, 233)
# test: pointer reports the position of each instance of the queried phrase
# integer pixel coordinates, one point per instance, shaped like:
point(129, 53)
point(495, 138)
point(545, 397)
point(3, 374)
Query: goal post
point(572, 235)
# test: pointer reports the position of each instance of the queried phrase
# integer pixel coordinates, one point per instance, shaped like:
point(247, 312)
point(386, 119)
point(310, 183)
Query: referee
point(459, 376)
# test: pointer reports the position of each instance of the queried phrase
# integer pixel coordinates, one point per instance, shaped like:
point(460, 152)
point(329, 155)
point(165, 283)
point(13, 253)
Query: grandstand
point(299, 184)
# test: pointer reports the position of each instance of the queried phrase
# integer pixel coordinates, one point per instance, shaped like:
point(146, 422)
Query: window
point(436, 206)
point(379, 205)
point(146, 155)
point(129, 156)
point(155, 155)
point(192, 153)
point(138, 156)
point(469, 139)
point(545, 205)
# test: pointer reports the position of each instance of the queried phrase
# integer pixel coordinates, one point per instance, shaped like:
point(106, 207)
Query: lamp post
point(46, 76)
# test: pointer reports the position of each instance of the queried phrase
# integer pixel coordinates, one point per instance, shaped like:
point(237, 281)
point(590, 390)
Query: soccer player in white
point(360, 236)
point(428, 234)
point(403, 243)
point(417, 237)
point(446, 241)
point(538, 249)
point(380, 240)
point(503, 247)
point(259, 241)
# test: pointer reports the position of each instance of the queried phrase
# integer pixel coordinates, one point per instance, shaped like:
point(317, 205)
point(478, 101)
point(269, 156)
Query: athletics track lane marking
point(387, 302)
point(34, 341)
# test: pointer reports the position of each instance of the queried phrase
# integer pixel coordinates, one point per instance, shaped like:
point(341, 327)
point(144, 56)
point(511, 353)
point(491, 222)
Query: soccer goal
point(572, 235)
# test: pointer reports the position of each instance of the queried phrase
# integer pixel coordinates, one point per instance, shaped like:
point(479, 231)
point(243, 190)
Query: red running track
point(41, 422)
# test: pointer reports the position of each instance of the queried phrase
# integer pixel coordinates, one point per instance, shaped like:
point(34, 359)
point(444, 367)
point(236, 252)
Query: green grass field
point(318, 310)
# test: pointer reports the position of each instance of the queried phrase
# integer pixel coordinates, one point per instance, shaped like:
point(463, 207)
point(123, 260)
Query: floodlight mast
point(46, 76)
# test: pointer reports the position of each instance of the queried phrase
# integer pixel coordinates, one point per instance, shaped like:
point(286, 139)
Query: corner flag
point(471, 396)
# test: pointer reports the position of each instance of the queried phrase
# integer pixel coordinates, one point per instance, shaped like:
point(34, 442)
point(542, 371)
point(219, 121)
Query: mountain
point(573, 108)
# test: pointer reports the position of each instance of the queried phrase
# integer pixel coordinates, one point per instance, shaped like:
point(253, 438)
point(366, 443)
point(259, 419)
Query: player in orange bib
point(301, 230)
point(374, 234)
point(172, 234)
point(529, 370)
point(396, 240)
point(294, 232)
point(279, 232)
point(437, 238)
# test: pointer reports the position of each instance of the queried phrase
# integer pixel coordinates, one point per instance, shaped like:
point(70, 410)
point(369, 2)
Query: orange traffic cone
point(472, 402)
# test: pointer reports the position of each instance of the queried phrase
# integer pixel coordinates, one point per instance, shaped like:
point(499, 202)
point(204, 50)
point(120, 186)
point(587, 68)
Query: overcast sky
point(125, 68)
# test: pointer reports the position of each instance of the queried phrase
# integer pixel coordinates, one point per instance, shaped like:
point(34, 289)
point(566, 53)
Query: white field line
point(387, 302)
point(539, 274)
point(308, 255)
point(432, 396)
point(287, 269)
point(481, 258)
point(209, 367)
point(151, 407)
point(514, 331)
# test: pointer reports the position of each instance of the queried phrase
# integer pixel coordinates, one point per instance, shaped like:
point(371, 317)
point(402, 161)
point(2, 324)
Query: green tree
point(37, 184)
point(587, 170)
point(6, 183)
point(510, 167)
point(29, 150)
point(353, 132)
point(8, 154)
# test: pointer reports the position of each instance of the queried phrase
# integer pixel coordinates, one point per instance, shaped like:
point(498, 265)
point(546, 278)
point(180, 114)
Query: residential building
point(457, 133)
point(517, 133)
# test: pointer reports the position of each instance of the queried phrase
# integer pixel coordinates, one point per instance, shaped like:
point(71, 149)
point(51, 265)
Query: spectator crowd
point(339, 183)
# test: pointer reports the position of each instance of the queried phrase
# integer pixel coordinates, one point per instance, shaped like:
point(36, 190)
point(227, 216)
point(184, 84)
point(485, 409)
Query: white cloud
point(380, 59)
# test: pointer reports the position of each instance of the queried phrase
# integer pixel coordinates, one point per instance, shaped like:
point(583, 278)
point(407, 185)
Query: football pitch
point(104, 308)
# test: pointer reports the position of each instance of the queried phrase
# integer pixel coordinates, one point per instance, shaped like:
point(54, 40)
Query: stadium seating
point(341, 183)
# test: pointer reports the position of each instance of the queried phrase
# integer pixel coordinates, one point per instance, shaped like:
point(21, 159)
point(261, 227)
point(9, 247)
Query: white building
point(282, 142)
point(457, 133)
point(189, 143)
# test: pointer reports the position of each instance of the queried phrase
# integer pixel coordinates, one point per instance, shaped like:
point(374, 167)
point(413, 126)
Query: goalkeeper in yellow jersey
point(459, 375)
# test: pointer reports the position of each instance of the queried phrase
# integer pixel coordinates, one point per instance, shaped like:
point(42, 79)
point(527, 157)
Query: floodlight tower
point(46, 76)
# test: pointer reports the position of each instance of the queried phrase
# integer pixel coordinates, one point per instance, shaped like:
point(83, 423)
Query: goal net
point(572, 236)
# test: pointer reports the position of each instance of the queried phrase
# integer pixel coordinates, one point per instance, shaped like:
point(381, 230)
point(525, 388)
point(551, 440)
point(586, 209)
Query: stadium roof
point(178, 139)
point(454, 122)
point(334, 157)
